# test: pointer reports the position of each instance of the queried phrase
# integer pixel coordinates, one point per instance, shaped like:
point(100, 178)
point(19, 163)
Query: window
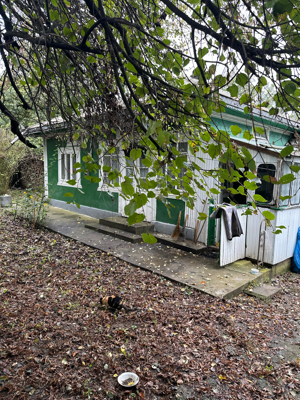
point(67, 157)
point(265, 189)
point(112, 161)
point(183, 149)
point(130, 165)
point(237, 179)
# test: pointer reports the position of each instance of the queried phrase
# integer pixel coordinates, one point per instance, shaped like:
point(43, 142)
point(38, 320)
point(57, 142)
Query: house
point(99, 200)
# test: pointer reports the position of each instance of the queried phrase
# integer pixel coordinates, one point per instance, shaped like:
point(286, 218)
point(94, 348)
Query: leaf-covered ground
point(57, 343)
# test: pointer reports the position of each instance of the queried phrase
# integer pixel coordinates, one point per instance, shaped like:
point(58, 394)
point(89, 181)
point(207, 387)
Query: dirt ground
point(56, 342)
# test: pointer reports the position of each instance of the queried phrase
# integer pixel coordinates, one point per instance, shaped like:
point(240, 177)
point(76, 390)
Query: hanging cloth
point(231, 219)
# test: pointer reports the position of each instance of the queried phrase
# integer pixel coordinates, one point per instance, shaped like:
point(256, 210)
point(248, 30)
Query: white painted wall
point(278, 247)
point(285, 242)
point(235, 249)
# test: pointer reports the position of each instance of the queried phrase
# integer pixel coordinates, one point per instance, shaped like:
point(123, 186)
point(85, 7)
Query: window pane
point(143, 172)
point(73, 162)
point(63, 167)
point(143, 169)
point(265, 189)
point(129, 167)
point(183, 147)
point(68, 166)
point(295, 186)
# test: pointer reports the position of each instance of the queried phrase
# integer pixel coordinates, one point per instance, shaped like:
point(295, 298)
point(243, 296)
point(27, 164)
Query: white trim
point(68, 150)
point(102, 186)
point(45, 166)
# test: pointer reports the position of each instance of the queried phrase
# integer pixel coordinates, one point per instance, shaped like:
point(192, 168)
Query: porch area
point(197, 271)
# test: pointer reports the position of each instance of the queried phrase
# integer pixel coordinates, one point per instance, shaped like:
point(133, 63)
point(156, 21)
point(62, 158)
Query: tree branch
point(14, 126)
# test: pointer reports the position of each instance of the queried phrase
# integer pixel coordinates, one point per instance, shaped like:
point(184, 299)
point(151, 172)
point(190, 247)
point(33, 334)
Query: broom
point(181, 234)
point(196, 231)
point(176, 231)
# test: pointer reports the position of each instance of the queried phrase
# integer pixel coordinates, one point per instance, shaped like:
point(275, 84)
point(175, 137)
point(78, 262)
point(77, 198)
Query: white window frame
point(63, 154)
point(103, 185)
point(136, 165)
point(188, 155)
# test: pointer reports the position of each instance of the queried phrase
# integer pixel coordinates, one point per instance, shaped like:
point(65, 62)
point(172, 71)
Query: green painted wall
point(277, 139)
point(90, 198)
point(225, 126)
point(169, 214)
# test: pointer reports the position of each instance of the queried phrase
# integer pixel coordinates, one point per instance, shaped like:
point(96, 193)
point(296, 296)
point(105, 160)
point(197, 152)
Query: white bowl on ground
point(128, 375)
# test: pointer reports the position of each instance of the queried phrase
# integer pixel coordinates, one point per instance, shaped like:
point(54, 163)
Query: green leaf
point(259, 198)
point(214, 150)
point(130, 208)
point(66, 31)
point(241, 190)
point(68, 194)
point(247, 135)
point(179, 162)
point(245, 98)
point(283, 198)
point(54, 15)
point(268, 215)
point(259, 130)
point(290, 88)
point(281, 227)
point(130, 67)
point(135, 154)
point(295, 168)
point(263, 81)
point(127, 188)
point(202, 216)
point(287, 178)
point(106, 168)
point(249, 159)
point(148, 238)
point(95, 179)
point(249, 175)
point(147, 162)
point(135, 218)
point(242, 79)
point(214, 191)
point(282, 6)
point(286, 151)
point(250, 185)
point(72, 182)
point(233, 90)
point(151, 194)
point(54, 2)
point(235, 129)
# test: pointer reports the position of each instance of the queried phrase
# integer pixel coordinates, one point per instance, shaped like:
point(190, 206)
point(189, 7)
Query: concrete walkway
point(196, 271)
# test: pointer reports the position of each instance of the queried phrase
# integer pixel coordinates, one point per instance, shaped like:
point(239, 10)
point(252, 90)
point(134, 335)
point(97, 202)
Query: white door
point(235, 249)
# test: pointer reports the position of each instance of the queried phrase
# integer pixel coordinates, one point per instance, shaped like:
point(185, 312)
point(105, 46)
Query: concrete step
point(117, 233)
point(180, 243)
point(263, 292)
point(120, 223)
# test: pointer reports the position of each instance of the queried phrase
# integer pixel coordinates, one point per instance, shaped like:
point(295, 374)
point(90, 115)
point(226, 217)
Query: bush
point(5, 173)
point(33, 206)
